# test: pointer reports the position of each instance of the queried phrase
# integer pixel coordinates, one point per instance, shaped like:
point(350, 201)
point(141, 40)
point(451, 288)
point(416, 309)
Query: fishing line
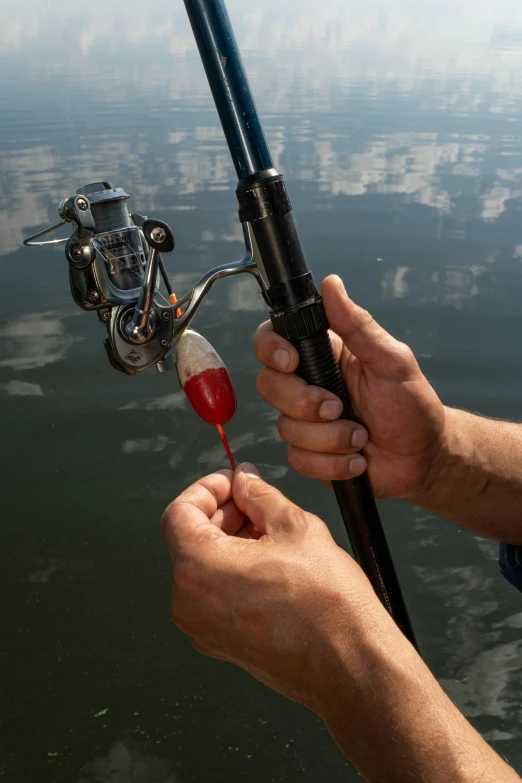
point(57, 45)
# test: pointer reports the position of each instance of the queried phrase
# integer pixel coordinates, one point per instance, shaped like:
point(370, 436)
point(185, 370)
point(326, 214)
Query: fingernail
point(359, 439)
point(357, 465)
point(249, 470)
point(342, 289)
point(281, 358)
point(330, 409)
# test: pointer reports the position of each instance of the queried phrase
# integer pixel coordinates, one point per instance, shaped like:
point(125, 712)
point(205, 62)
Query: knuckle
point(258, 490)
point(185, 573)
point(164, 521)
point(404, 353)
point(327, 467)
point(182, 621)
point(300, 520)
point(262, 383)
point(209, 648)
point(404, 360)
point(305, 406)
point(267, 384)
point(260, 337)
point(259, 382)
point(167, 516)
point(365, 318)
point(176, 613)
point(339, 468)
point(179, 613)
point(296, 461)
point(201, 647)
point(263, 329)
point(340, 438)
point(286, 427)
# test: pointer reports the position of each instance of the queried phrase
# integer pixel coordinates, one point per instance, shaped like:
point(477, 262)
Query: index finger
point(275, 352)
point(188, 517)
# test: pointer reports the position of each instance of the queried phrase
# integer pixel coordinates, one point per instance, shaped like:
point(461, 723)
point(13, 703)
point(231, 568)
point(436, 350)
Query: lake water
point(398, 127)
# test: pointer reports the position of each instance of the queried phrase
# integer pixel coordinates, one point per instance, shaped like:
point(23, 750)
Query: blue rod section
point(229, 84)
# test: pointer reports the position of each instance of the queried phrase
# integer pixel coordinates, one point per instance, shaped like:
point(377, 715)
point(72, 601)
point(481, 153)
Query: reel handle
point(159, 235)
point(143, 324)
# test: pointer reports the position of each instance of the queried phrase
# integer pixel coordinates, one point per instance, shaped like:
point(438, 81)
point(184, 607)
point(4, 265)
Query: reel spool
point(107, 261)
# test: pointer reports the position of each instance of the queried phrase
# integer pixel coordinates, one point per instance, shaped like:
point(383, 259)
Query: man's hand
point(405, 419)
point(256, 593)
point(277, 596)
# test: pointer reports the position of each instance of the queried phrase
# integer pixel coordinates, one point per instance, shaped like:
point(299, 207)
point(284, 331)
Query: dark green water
point(398, 126)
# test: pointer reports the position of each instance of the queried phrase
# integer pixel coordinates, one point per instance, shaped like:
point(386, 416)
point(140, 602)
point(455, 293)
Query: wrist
point(355, 646)
point(394, 722)
point(436, 481)
point(361, 659)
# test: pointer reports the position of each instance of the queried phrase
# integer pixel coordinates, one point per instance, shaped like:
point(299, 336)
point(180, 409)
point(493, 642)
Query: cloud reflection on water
point(35, 340)
point(128, 762)
point(22, 389)
point(487, 669)
point(333, 60)
point(168, 402)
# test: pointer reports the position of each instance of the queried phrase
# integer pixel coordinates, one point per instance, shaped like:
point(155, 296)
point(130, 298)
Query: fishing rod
point(115, 262)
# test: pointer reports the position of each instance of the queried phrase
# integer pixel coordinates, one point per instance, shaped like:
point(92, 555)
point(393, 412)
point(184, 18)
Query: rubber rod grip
point(318, 366)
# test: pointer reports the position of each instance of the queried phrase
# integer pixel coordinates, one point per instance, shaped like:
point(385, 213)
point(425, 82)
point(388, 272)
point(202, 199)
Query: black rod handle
point(318, 366)
point(298, 314)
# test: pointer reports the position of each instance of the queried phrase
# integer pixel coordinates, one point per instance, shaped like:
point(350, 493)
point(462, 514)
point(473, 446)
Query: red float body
point(205, 379)
point(212, 395)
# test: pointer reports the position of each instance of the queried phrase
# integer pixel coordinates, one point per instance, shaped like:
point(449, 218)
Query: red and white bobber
point(206, 382)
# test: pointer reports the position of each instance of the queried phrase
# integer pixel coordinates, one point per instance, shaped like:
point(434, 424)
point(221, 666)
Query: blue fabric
point(510, 562)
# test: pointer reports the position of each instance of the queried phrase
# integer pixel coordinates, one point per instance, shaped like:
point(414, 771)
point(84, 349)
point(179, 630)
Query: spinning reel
point(115, 266)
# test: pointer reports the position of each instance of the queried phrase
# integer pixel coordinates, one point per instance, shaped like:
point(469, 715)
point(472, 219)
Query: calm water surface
point(398, 126)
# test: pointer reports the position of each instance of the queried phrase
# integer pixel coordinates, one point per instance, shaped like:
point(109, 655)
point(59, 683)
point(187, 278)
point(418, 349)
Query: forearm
point(476, 478)
point(395, 723)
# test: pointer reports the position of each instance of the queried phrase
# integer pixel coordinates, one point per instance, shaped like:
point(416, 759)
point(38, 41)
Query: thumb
point(267, 508)
point(190, 520)
point(363, 336)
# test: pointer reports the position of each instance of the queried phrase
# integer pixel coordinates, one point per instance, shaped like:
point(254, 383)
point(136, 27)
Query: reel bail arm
point(75, 209)
point(29, 242)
